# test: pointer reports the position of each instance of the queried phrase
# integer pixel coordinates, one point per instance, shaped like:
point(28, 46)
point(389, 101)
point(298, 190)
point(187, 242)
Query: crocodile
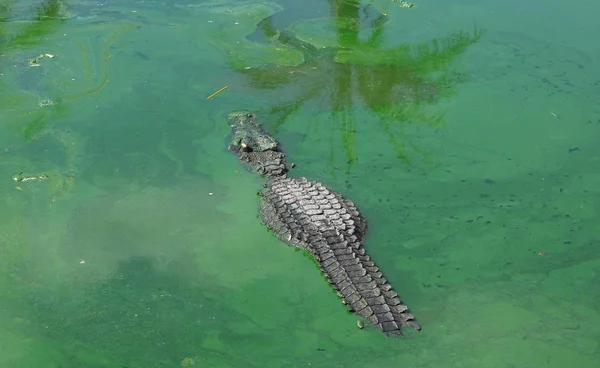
point(307, 215)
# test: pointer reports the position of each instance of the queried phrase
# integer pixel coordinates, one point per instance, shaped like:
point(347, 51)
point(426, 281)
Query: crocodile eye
point(244, 145)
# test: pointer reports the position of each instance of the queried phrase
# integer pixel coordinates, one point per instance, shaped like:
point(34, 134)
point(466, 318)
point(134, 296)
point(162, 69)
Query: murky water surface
point(465, 131)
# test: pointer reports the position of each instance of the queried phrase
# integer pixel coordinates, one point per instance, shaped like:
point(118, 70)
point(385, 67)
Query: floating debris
point(46, 102)
point(19, 178)
point(404, 4)
point(35, 61)
point(216, 93)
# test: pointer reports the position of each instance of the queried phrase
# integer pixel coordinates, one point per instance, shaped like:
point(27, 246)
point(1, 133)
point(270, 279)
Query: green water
point(466, 132)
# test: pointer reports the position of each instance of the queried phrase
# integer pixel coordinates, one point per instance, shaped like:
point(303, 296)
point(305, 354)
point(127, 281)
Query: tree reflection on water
point(395, 84)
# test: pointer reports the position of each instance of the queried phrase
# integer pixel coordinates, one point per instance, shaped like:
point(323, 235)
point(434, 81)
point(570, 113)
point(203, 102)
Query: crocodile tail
point(363, 288)
point(382, 297)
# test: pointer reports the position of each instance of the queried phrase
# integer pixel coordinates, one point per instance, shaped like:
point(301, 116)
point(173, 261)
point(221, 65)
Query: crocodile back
point(307, 215)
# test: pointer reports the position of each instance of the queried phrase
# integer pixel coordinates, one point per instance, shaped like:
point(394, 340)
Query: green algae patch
point(231, 26)
point(319, 32)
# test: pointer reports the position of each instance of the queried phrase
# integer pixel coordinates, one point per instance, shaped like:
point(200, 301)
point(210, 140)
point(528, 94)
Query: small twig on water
point(216, 93)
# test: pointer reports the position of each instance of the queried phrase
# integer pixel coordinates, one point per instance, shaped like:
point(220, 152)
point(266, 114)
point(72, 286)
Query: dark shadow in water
point(395, 83)
point(142, 316)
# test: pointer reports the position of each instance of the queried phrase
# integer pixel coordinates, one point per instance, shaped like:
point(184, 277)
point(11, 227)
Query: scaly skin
point(307, 215)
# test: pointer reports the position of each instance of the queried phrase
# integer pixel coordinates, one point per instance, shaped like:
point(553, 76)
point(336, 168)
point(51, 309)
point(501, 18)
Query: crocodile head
point(248, 135)
point(254, 146)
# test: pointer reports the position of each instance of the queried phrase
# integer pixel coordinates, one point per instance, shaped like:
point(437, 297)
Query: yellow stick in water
point(216, 93)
